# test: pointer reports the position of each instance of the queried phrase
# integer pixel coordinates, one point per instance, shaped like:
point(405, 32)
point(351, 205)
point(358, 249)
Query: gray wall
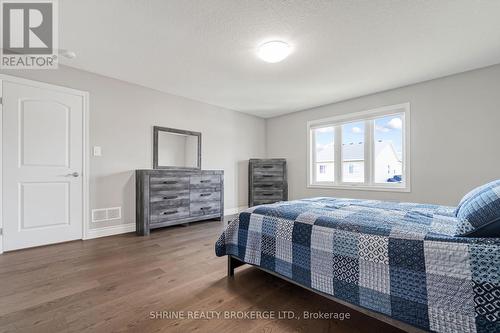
point(121, 120)
point(455, 137)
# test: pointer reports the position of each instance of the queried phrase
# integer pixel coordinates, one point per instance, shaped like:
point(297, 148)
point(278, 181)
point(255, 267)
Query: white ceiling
point(206, 49)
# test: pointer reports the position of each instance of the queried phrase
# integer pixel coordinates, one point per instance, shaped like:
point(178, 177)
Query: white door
point(42, 165)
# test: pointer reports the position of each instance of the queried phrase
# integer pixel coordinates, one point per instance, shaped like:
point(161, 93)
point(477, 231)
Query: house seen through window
point(370, 147)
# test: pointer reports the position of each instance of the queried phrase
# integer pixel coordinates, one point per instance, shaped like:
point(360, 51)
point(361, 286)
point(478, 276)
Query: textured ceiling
point(206, 49)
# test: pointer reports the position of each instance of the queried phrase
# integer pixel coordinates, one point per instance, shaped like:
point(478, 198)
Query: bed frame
point(233, 263)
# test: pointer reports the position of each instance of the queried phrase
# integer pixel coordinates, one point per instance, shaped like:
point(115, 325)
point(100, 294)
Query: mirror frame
point(156, 130)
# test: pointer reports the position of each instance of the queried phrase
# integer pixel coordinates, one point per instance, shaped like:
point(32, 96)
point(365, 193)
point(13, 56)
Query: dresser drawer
point(268, 186)
point(267, 167)
point(205, 181)
point(204, 208)
point(268, 176)
point(204, 195)
point(164, 214)
point(263, 202)
point(268, 195)
point(169, 198)
point(168, 183)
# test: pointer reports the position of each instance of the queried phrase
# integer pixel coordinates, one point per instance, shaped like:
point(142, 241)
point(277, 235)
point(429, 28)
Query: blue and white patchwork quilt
point(399, 259)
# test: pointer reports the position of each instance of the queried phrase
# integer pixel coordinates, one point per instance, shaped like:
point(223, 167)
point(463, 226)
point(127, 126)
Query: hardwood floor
point(113, 284)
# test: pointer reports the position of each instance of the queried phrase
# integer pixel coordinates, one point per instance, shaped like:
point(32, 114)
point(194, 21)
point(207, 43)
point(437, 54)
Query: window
point(372, 148)
point(388, 134)
point(353, 152)
point(324, 160)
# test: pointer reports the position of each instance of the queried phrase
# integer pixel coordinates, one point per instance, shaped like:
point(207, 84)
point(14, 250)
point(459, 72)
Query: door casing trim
point(86, 146)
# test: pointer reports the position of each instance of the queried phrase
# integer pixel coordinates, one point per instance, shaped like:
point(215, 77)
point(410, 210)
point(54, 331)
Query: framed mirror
point(176, 149)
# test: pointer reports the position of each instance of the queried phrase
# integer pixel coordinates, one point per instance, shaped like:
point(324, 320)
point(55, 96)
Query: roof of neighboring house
point(353, 151)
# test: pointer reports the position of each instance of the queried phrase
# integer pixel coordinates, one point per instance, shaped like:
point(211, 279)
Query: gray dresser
point(267, 182)
point(166, 197)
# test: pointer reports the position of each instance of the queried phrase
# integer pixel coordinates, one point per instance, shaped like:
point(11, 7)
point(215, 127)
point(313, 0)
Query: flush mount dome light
point(274, 51)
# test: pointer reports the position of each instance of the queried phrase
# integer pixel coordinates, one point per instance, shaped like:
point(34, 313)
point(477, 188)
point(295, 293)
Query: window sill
point(362, 187)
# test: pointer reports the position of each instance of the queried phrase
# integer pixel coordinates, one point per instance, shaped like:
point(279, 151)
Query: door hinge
point(1, 100)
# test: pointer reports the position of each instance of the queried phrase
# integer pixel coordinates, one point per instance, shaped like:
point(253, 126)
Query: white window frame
point(367, 116)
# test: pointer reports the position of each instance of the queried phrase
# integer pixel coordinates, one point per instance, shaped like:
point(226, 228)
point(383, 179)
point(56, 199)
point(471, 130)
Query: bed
point(399, 261)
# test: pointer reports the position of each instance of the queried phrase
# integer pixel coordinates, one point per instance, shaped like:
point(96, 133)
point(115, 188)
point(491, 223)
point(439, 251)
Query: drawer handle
point(267, 176)
point(205, 208)
point(205, 194)
point(267, 185)
point(205, 181)
point(170, 212)
point(267, 166)
point(267, 194)
point(170, 182)
point(171, 197)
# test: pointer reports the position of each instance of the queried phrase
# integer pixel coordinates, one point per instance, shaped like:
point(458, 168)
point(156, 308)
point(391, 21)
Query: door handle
point(74, 174)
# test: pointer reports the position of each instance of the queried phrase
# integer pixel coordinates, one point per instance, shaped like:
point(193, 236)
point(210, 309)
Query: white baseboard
point(111, 230)
point(130, 227)
point(236, 210)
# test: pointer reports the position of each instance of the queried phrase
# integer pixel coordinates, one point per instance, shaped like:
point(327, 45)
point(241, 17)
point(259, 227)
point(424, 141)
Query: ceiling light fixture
point(274, 51)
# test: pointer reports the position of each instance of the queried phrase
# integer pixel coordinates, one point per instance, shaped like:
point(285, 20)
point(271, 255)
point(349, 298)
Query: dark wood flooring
point(112, 284)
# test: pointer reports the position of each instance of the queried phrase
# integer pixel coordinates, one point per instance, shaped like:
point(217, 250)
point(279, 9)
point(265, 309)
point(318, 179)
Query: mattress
point(398, 259)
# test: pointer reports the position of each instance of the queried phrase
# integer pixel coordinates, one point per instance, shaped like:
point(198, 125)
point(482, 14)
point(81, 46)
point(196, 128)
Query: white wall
point(121, 119)
point(455, 137)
